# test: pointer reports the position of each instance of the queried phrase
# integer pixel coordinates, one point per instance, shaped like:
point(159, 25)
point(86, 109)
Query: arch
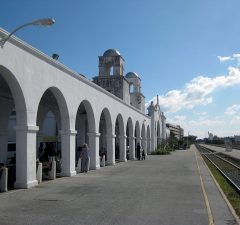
point(131, 88)
point(119, 119)
point(84, 125)
point(137, 130)
point(120, 139)
point(130, 127)
point(148, 140)
point(130, 143)
point(143, 136)
point(13, 98)
point(17, 94)
point(90, 114)
point(107, 115)
point(61, 104)
point(53, 100)
point(106, 136)
point(158, 133)
point(137, 138)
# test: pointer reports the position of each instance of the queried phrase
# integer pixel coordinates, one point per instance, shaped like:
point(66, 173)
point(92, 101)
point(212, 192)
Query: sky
point(185, 51)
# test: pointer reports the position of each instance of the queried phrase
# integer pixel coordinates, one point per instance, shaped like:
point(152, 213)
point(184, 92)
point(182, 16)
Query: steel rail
point(231, 179)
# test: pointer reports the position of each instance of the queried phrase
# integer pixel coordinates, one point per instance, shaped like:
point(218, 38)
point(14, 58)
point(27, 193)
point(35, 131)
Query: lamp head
point(44, 22)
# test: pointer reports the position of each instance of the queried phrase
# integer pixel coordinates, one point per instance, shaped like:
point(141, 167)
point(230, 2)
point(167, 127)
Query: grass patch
point(232, 195)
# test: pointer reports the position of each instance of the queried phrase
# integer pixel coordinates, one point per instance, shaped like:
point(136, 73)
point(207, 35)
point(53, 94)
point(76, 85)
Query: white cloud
point(233, 57)
point(201, 113)
point(224, 58)
point(197, 91)
point(231, 110)
point(235, 120)
point(180, 118)
point(199, 126)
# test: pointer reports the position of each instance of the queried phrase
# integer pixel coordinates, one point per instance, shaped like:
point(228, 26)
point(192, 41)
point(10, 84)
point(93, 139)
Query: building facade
point(101, 113)
point(176, 131)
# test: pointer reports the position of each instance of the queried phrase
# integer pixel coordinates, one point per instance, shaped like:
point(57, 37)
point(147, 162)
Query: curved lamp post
point(43, 22)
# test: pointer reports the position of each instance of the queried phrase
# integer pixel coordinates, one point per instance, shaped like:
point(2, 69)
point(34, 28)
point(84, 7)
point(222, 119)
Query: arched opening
point(143, 136)
point(148, 140)
point(137, 136)
point(130, 142)
point(85, 124)
point(111, 71)
point(131, 88)
point(120, 140)
point(105, 138)
point(12, 114)
point(158, 134)
point(53, 122)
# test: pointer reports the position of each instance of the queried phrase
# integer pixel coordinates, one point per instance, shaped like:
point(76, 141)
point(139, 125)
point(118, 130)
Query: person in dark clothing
point(143, 155)
point(138, 151)
point(78, 153)
point(40, 150)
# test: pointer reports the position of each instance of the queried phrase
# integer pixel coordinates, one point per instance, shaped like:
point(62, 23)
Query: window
point(111, 70)
point(131, 88)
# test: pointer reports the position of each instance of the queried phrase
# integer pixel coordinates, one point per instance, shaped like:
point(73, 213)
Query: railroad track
point(237, 147)
point(228, 166)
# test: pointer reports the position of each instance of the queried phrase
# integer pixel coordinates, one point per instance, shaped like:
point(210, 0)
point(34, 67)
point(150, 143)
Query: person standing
point(85, 159)
point(143, 155)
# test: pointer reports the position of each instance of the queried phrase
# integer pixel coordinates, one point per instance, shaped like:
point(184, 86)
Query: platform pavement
point(162, 190)
point(234, 153)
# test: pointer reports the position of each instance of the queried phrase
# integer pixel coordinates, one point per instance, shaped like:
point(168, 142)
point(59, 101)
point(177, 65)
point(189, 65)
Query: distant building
point(210, 136)
point(237, 139)
point(176, 130)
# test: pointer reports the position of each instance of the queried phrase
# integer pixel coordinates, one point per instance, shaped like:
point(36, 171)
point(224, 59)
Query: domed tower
point(111, 74)
point(137, 99)
point(111, 63)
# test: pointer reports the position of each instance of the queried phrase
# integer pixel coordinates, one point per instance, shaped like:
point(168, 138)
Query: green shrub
point(161, 152)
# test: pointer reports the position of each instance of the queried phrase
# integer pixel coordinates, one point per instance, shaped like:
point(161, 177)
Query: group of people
point(140, 153)
point(48, 154)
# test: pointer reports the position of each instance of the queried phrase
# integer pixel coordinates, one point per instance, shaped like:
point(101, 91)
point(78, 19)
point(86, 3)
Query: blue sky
point(186, 51)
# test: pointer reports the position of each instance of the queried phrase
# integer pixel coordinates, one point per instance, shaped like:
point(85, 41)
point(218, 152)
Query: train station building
point(106, 111)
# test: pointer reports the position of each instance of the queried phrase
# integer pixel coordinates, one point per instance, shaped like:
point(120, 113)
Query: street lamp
point(42, 22)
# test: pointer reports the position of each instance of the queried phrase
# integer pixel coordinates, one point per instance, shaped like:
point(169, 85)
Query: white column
point(122, 147)
point(68, 138)
point(94, 150)
point(111, 149)
point(132, 148)
point(3, 146)
point(26, 156)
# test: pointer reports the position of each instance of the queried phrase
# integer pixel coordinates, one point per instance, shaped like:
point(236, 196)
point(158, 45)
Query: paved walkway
point(163, 190)
point(234, 153)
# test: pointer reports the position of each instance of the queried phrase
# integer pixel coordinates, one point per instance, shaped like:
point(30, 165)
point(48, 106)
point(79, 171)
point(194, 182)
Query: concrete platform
point(162, 190)
point(234, 153)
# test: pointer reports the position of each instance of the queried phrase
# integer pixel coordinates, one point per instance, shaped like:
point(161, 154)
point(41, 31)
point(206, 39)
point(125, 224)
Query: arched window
point(111, 70)
point(131, 88)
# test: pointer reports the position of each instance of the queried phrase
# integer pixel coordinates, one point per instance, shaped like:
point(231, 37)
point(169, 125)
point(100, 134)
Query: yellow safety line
point(209, 211)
